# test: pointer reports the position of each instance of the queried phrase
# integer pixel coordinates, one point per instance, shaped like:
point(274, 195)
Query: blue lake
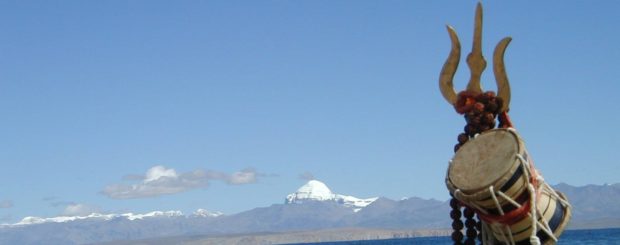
point(569, 237)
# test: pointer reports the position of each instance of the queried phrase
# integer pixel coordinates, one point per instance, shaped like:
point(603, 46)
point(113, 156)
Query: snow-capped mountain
point(205, 213)
point(97, 228)
point(313, 207)
point(104, 217)
point(316, 190)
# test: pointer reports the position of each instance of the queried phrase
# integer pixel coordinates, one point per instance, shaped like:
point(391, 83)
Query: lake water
point(569, 237)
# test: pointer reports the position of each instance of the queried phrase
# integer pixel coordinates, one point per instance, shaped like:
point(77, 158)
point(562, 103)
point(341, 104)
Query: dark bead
point(456, 147)
point(470, 223)
point(484, 127)
point(475, 120)
point(471, 233)
point(454, 203)
point(483, 98)
point(489, 94)
point(463, 138)
point(478, 107)
point(470, 117)
point(457, 236)
point(491, 106)
point(476, 112)
point(479, 225)
point(472, 130)
point(488, 118)
point(457, 225)
point(455, 214)
point(469, 213)
point(466, 129)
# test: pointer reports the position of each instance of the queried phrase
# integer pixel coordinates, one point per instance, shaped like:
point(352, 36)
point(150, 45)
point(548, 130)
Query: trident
point(477, 64)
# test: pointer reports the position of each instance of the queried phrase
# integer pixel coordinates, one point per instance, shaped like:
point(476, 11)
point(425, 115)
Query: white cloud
point(78, 209)
point(246, 176)
point(158, 172)
point(6, 204)
point(160, 180)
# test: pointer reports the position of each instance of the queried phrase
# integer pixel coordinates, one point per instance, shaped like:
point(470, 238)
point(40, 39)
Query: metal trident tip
point(475, 60)
point(476, 63)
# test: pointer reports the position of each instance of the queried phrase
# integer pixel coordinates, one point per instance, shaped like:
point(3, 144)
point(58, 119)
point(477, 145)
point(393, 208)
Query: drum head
point(482, 161)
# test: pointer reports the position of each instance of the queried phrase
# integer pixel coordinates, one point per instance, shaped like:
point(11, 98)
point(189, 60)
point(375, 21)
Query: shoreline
point(305, 237)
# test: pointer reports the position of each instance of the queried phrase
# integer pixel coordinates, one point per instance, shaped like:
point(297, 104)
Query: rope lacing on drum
point(497, 204)
point(534, 240)
point(486, 234)
point(554, 193)
point(521, 210)
point(537, 180)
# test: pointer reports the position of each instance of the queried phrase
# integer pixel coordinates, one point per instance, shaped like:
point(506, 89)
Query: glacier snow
point(316, 190)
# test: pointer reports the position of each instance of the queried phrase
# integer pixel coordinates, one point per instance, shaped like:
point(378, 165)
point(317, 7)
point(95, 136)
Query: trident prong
point(449, 68)
point(501, 78)
point(475, 60)
point(476, 63)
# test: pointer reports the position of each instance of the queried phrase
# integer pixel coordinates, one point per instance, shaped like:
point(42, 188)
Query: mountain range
point(312, 207)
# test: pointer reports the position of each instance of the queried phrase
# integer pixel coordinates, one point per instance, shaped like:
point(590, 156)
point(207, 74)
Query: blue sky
point(237, 99)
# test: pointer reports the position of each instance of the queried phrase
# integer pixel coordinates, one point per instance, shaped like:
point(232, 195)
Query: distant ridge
point(312, 207)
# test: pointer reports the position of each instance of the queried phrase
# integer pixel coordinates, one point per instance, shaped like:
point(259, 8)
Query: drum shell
point(550, 210)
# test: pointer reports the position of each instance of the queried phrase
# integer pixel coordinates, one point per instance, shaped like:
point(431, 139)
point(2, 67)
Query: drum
point(494, 174)
point(489, 163)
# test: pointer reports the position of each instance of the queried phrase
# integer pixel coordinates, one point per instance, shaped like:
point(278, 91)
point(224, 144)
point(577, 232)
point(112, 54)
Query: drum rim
point(568, 214)
point(500, 180)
